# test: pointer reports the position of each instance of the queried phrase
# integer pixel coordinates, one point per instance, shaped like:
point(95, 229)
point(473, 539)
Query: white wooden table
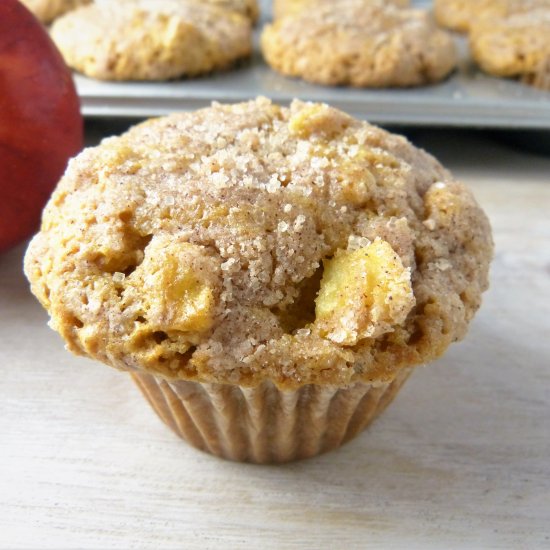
point(460, 460)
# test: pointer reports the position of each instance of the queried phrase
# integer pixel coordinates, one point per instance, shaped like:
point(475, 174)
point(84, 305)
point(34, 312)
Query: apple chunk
point(40, 122)
point(364, 293)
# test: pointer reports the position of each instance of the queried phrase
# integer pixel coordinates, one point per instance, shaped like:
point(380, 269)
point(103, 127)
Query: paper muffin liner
point(264, 424)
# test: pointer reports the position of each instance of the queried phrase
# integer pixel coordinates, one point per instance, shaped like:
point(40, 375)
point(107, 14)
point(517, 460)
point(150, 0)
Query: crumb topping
point(248, 242)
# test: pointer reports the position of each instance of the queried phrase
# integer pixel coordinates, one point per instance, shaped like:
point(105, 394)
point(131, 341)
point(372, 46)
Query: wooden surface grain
point(460, 460)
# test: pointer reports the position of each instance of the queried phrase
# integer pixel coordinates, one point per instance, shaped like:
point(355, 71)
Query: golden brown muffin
point(512, 46)
point(249, 8)
point(459, 15)
point(540, 77)
point(151, 39)
point(48, 10)
point(358, 45)
point(268, 275)
point(282, 8)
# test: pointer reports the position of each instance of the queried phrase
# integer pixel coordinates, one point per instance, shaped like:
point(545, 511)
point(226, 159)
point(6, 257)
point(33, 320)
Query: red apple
point(40, 122)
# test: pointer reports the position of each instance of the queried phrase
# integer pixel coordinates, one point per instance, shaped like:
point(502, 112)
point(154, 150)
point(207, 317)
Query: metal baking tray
point(467, 98)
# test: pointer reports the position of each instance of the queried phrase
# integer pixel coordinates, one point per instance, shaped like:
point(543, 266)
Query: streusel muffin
point(151, 39)
point(268, 275)
point(364, 45)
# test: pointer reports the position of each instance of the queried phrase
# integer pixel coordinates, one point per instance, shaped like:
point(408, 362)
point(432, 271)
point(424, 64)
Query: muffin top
point(359, 43)
point(460, 15)
point(249, 8)
point(247, 242)
point(151, 39)
point(513, 45)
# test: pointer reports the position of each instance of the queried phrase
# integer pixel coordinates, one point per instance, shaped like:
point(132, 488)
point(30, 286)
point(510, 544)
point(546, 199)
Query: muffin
point(48, 10)
point(517, 45)
point(249, 8)
point(460, 15)
point(360, 44)
point(151, 39)
point(282, 8)
point(269, 276)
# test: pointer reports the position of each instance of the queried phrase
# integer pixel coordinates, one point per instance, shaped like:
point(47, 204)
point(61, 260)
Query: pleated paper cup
point(264, 424)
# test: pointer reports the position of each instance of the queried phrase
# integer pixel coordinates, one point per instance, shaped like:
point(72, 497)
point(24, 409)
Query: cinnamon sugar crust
point(251, 242)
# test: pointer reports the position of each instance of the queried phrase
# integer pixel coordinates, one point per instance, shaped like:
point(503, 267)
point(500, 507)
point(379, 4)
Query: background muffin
point(151, 40)
point(460, 15)
point(249, 8)
point(282, 8)
point(360, 44)
point(512, 46)
point(48, 10)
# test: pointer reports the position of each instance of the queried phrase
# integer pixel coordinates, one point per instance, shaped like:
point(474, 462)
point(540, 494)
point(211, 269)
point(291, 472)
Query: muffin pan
point(467, 98)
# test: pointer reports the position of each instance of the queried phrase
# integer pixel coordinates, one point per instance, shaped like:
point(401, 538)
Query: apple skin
point(40, 122)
